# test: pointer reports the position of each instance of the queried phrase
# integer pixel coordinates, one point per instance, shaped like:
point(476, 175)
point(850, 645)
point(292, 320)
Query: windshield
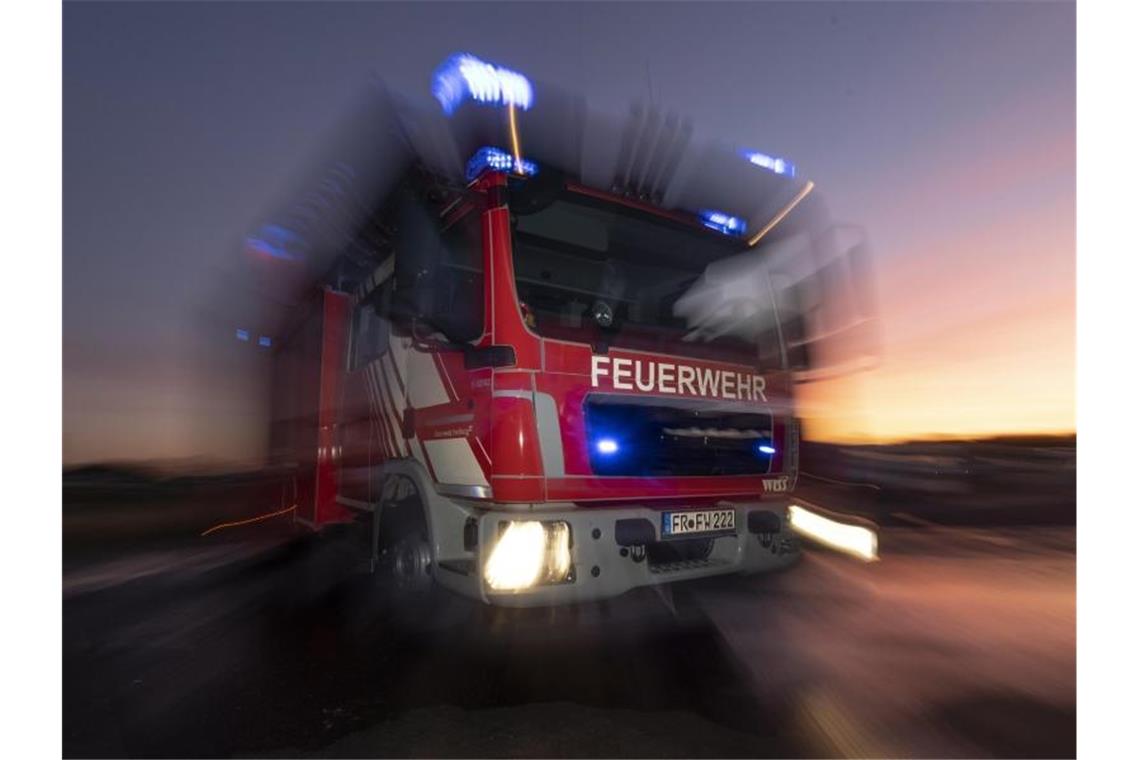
point(601, 273)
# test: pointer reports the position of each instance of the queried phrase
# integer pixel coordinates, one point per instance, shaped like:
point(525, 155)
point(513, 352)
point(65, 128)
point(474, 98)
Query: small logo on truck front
point(776, 485)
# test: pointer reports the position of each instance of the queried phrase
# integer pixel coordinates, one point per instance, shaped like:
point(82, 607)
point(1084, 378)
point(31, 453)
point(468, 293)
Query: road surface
point(959, 642)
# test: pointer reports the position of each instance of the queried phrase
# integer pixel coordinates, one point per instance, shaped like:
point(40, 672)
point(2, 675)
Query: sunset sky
point(946, 130)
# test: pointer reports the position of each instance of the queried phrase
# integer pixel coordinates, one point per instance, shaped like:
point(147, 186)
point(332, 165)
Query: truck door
point(443, 318)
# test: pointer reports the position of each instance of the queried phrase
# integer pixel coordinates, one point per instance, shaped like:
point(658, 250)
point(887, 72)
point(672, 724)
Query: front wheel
point(402, 565)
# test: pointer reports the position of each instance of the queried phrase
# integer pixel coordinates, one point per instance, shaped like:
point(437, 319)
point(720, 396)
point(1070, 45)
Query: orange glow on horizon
point(975, 273)
point(1011, 374)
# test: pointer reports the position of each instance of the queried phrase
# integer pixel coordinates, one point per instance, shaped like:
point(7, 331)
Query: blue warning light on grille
point(606, 446)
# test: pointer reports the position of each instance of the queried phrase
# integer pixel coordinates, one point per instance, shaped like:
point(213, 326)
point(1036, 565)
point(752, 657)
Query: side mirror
point(381, 301)
point(425, 333)
point(488, 356)
point(426, 330)
point(799, 357)
point(793, 325)
point(413, 293)
point(401, 316)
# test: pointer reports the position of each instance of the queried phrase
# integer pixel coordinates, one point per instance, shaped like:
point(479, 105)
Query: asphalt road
point(959, 642)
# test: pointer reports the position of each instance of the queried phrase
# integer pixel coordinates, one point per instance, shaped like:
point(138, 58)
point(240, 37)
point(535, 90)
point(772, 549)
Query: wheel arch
point(443, 516)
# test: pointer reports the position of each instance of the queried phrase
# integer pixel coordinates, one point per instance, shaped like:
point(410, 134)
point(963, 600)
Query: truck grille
point(658, 437)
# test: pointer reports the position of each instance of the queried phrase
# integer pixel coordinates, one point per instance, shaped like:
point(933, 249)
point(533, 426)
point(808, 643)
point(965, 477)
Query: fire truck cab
point(537, 390)
point(543, 396)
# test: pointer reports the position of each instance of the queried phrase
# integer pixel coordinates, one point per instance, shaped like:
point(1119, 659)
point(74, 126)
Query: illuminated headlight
point(851, 539)
point(529, 553)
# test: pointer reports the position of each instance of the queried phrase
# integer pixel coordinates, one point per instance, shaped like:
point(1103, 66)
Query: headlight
point(852, 539)
point(528, 553)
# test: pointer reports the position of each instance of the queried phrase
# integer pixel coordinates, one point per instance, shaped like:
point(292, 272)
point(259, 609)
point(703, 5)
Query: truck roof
point(648, 158)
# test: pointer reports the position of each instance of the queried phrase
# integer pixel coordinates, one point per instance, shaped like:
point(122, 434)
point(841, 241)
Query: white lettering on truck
point(622, 370)
point(685, 376)
point(596, 369)
point(776, 485)
point(647, 383)
point(663, 377)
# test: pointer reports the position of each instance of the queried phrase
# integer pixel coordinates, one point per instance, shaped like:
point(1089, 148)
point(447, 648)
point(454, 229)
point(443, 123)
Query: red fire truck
point(535, 390)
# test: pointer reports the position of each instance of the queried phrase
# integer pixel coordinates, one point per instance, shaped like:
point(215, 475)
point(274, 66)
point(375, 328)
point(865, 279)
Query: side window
point(459, 301)
point(439, 272)
point(370, 331)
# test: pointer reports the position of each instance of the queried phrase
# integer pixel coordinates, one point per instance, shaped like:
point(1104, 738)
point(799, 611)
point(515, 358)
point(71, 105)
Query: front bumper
point(615, 550)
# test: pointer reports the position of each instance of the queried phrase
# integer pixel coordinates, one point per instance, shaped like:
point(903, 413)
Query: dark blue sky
point(947, 129)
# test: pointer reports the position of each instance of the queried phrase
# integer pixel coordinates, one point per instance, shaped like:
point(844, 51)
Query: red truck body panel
point(308, 385)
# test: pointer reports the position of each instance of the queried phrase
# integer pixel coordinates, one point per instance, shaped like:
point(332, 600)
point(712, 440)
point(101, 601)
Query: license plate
point(698, 521)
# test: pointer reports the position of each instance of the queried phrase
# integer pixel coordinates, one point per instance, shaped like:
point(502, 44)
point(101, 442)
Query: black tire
point(410, 598)
point(403, 554)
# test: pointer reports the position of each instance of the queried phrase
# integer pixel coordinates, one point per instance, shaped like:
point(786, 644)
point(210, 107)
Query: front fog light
point(528, 553)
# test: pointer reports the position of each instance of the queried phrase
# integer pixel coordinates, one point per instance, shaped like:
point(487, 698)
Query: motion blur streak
point(783, 212)
point(238, 523)
point(851, 539)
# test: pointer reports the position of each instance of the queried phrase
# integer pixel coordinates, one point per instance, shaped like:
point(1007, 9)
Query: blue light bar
point(464, 76)
point(497, 160)
point(242, 335)
point(771, 163)
point(722, 222)
point(264, 341)
point(764, 448)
